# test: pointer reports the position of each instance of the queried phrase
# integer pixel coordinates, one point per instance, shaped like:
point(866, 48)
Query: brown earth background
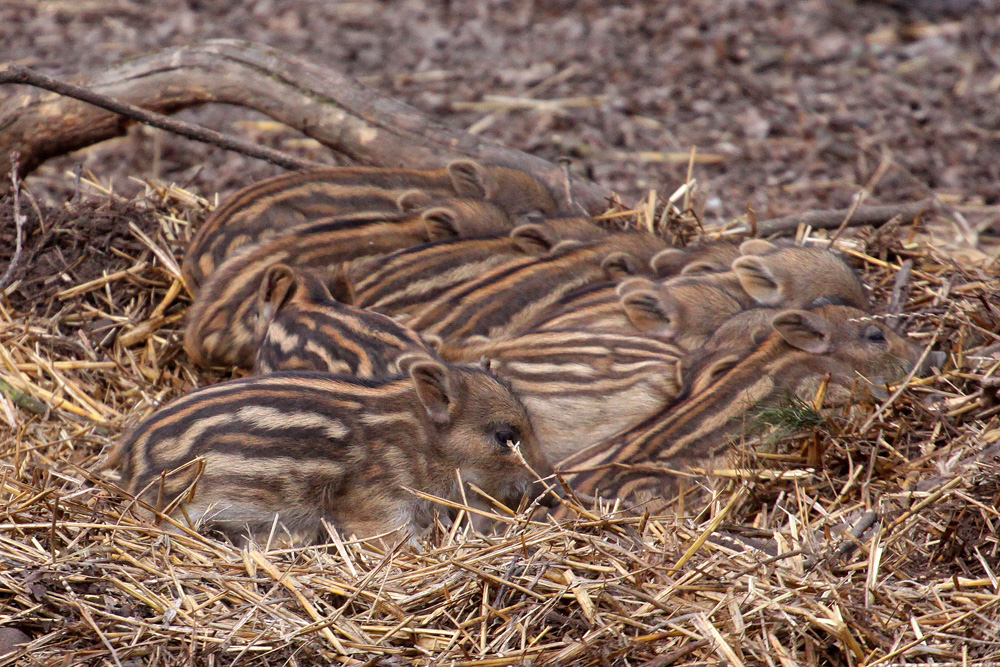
point(791, 105)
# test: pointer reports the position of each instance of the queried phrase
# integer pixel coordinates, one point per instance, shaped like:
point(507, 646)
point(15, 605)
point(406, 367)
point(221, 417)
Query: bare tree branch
point(319, 102)
point(19, 74)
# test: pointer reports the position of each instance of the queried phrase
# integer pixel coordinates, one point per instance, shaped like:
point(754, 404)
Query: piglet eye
point(506, 436)
point(874, 334)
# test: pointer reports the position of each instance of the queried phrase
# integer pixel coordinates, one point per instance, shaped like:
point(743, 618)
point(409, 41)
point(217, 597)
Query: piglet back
point(269, 432)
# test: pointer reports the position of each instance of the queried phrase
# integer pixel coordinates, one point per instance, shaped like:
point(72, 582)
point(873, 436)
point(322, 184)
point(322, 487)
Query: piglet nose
point(552, 497)
point(935, 359)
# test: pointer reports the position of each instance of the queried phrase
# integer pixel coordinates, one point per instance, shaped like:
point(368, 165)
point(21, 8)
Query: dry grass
point(878, 528)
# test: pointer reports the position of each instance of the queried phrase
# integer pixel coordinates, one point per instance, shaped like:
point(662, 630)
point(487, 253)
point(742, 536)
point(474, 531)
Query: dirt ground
point(791, 105)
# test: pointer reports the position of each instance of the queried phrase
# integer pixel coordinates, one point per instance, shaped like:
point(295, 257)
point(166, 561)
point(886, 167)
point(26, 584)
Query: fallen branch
point(18, 74)
point(323, 104)
point(862, 215)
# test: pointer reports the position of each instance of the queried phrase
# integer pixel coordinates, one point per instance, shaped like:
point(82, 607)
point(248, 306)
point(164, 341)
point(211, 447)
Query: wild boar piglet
point(301, 326)
point(303, 447)
point(266, 208)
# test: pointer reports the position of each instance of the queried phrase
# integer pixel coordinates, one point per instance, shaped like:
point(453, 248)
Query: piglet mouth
point(878, 391)
point(930, 363)
point(933, 360)
point(546, 493)
point(879, 386)
point(924, 364)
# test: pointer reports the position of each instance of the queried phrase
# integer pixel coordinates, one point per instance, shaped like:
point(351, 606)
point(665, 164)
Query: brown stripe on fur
point(580, 386)
point(309, 330)
point(223, 318)
point(302, 447)
point(696, 431)
point(505, 301)
point(406, 281)
point(257, 211)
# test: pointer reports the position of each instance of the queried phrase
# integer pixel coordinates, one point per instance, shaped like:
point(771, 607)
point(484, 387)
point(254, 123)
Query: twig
point(940, 630)
point(754, 225)
point(712, 525)
point(501, 594)
point(863, 215)
point(864, 194)
point(19, 220)
point(23, 75)
point(82, 608)
point(852, 540)
point(899, 287)
point(286, 579)
point(860, 527)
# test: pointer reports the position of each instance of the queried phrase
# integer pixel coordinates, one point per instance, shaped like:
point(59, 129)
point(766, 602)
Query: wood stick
point(23, 75)
point(863, 215)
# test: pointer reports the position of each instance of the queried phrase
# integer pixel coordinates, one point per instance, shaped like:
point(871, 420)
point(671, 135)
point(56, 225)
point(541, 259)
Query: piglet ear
point(653, 312)
point(434, 341)
point(713, 372)
point(667, 262)
point(634, 283)
point(441, 223)
point(413, 200)
point(277, 286)
point(671, 379)
point(758, 279)
point(340, 286)
point(805, 330)
point(756, 247)
point(408, 359)
point(434, 389)
point(534, 238)
point(469, 178)
point(619, 265)
point(701, 266)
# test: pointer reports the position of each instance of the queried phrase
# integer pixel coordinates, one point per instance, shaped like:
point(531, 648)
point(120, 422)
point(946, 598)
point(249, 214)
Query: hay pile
point(879, 529)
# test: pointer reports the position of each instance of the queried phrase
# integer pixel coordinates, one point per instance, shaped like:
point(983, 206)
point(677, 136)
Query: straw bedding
point(878, 528)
